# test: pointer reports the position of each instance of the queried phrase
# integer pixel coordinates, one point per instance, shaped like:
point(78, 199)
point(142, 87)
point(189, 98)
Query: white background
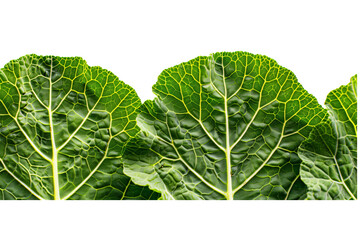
point(317, 40)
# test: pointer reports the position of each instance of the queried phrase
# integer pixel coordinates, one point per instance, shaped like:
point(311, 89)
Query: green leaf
point(329, 155)
point(226, 126)
point(63, 129)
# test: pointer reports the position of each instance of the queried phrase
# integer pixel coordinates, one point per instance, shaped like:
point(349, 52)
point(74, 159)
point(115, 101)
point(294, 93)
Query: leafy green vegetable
point(63, 129)
point(329, 155)
point(227, 126)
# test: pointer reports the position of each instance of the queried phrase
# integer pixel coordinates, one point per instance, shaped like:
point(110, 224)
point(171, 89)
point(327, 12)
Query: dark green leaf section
point(329, 155)
point(63, 129)
point(227, 126)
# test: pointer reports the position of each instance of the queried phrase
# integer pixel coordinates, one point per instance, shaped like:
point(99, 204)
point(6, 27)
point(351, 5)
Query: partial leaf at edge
point(329, 155)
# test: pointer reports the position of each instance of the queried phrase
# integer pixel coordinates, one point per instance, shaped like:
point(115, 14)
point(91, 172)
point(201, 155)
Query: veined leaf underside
point(329, 154)
point(224, 127)
point(63, 129)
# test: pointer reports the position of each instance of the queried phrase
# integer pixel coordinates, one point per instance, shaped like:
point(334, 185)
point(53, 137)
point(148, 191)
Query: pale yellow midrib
point(229, 189)
point(54, 158)
point(229, 194)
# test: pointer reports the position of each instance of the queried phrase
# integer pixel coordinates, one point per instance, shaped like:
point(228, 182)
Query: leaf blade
point(63, 129)
point(330, 153)
point(209, 119)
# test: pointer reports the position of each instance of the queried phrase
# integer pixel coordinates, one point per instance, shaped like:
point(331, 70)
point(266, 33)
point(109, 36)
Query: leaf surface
point(329, 155)
point(226, 126)
point(63, 129)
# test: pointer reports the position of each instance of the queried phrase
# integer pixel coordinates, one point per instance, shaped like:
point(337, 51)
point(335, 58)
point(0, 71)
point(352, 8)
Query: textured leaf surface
point(227, 126)
point(63, 128)
point(329, 167)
